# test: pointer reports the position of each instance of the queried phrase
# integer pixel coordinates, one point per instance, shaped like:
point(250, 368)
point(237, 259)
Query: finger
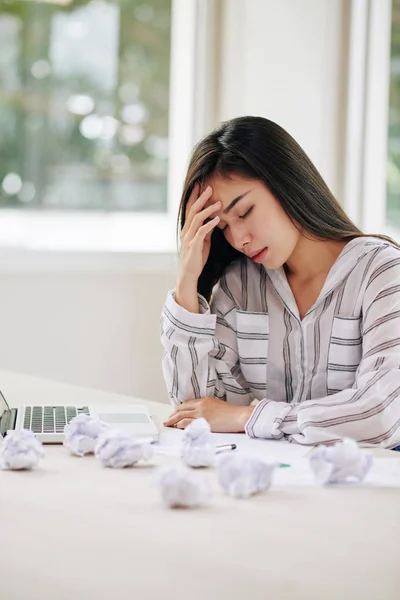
point(184, 423)
point(208, 235)
point(189, 404)
point(201, 218)
point(196, 207)
point(185, 405)
point(199, 200)
point(198, 219)
point(174, 419)
point(192, 199)
point(178, 413)
point(205, 230)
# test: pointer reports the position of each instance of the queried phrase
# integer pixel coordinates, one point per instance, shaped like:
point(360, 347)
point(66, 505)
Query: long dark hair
point(257, 148)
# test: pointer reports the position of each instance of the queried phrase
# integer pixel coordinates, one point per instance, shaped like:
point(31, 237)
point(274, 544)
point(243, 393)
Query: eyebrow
point(235, 201)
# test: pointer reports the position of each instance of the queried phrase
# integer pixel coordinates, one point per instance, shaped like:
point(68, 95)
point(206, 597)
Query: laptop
point(47, 422)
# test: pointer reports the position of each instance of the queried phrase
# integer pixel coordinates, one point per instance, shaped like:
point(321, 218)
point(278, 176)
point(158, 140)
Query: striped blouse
point(333, 374)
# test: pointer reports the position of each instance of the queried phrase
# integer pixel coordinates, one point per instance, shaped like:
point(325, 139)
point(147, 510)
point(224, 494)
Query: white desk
point(72, 530)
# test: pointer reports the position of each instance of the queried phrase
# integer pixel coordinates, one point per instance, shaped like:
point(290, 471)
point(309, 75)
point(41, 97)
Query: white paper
point(198, 444)
point(267, 450)
point(119, 449)
point(243, 476)
point(182, 487)
point(340, 463)
point(20, 450)
point(384, 472)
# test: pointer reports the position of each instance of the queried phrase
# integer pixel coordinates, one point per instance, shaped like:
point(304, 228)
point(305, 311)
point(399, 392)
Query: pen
point(226, 447)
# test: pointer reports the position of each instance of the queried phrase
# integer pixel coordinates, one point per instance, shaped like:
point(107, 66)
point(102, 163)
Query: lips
point(258, 255)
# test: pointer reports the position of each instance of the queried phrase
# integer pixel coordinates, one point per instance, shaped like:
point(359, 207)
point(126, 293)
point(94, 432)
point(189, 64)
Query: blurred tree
point(393, 176)
point(74, 141)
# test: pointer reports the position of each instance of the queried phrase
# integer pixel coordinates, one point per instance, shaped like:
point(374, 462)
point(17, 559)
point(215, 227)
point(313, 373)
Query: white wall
point(91, 329)
point(286, 60)
point(282, 59)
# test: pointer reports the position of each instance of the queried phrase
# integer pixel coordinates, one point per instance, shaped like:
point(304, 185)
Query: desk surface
point(73, 530)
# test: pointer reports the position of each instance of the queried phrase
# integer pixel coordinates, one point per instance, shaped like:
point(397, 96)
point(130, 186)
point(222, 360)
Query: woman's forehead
point(226, 188)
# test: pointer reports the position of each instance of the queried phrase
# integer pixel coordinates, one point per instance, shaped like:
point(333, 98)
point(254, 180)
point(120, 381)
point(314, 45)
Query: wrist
point(186, 285)
point(243, 414)
point(186, 295)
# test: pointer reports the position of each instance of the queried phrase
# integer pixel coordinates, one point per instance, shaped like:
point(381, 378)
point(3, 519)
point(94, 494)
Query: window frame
point(366, 136)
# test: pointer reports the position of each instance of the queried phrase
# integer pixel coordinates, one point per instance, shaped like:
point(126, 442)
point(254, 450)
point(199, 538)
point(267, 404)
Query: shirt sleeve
point(369, 412)
point(200, 351)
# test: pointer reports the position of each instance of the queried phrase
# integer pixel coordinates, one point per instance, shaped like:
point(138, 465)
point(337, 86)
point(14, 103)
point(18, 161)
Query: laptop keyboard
point(50, 419)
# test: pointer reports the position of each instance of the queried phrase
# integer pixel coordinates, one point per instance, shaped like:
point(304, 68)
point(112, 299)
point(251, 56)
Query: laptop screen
point(3, 404)
point(4, 415)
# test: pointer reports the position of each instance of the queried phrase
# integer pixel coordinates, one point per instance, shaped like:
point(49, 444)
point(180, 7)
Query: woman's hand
point(196, 235)
point(221, 416)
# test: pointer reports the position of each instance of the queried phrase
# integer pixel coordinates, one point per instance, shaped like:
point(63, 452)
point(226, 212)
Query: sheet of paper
point(268, 450)
point(385, 472)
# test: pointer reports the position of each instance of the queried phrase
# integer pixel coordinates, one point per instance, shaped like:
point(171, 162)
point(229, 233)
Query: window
point(393, 166)
point(366, 133)
point(134, 122)
point(84, 108)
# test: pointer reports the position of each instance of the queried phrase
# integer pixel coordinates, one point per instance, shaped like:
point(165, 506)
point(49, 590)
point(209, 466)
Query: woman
point(301, 337)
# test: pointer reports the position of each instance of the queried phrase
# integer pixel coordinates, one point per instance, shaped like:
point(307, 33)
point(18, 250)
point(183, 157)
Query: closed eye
point(247, 213)
point(223, 229)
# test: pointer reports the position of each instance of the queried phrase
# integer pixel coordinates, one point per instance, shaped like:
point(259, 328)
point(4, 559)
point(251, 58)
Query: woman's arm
point(201, 355)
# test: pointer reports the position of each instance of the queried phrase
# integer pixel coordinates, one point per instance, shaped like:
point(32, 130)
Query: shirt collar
point(350, 255)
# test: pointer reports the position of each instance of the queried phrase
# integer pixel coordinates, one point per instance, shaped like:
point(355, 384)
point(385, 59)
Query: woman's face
point(253, 221)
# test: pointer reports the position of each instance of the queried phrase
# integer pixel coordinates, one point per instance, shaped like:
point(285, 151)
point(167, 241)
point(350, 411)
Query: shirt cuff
point(268, 420)
point(198, 324)
point(290, 425)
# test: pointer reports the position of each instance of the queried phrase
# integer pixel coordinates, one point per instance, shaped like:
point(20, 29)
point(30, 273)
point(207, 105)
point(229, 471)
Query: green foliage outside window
point(393, 167)
point(84, 95)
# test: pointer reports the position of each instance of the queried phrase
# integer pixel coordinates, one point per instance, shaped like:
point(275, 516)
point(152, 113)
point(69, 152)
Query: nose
point(240, 237)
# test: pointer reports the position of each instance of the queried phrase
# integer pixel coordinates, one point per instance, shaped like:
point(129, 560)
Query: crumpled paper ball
point(242, 476)
point(181, 487)
point(20, 450)
point(118, 449)
point(198, 448)
point(340, 463)
point(81, 434)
